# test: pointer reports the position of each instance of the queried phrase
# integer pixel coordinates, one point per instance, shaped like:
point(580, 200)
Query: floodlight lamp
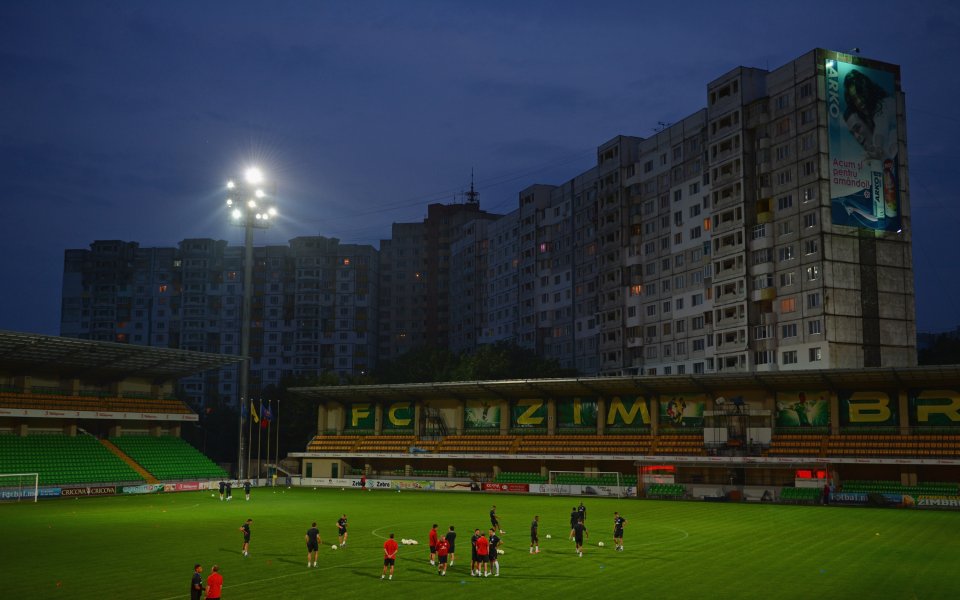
point(229, 201)
point(231, 185)
point(253, 175)
point(272, 211)
point(259, 216)
point(252, 203)
point(237, 213)
point(259, 194)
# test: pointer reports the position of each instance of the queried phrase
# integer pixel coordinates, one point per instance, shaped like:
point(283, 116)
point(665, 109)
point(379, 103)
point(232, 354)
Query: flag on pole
point(266, 416)
point(253, 412)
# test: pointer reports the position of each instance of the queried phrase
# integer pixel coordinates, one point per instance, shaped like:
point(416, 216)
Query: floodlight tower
point(251, 209)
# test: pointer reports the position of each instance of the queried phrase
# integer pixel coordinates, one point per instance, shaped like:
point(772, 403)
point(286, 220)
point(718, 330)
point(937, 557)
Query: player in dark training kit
point(342, 530)
point(494, 519)
point(579, 530)
point(245, 529)
point(451, 538)
point(313, 543)
point(495, 542)
point(535, 535)
point(618, 523)
point(574, 517)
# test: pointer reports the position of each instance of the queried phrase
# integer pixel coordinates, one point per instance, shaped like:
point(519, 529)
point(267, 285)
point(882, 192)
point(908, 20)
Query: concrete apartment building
point(764, 232)
point(313, 309)
point(768, 231)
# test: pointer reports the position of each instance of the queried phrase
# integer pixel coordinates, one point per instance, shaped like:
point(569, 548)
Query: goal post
point(585, 483)
point(15, 487)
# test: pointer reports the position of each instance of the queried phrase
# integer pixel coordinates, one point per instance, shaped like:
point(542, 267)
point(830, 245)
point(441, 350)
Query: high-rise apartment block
point(313, 306)
point(768, 231)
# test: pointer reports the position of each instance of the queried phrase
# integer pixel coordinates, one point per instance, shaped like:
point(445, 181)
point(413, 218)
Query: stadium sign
point(105, 490)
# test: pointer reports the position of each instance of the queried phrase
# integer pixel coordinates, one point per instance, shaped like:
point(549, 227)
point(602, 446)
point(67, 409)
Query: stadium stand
point(497, 444)
point(385, 443)
point(585, 444)
point(678, 444)
point(333, 443)
point(63, 460)
point(57, 400)
point(793, 495)
point(796, 445)
point(168, 458)
point(519, 477)
point(922, 445)
point(666, 490)
point(895, 487)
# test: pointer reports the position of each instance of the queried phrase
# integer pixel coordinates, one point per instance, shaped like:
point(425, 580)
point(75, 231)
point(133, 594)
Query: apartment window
point(678, 303)
point(678, 238)
point(694, 188)
point(678, 260)
point(678, 218)
point(788, 331)
point(698, 368)
point(789, 357)
point(813, 300)
point(759, 257)
point(759, 231)
point(815, 327)
point(666, 306)
point(681, 326)
point(763, 332)
point(808, 142)
point(809, 168)
point(807, 116)
point(810, 220)
point(696, 323)
point(784, 228)
point(783, 101)
point(788, 305)
point(636, 290)
point(695, 233)
point(677, 152)
point(809, 194)
point(783, 152)
point(648, 166)
point(787, 279)
point(813, 272)
point(815, 354)
point(785, 202)
point(698, 345)
point(806, 90)
point(765, 357)
point(785, 253)
point(784, 177)
point(651, 310)
point(783, 126)
point(811, 247)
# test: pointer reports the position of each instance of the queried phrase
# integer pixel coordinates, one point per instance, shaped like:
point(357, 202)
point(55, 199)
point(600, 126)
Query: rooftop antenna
point(854, 51)
point(473, 196)
point(661, 125)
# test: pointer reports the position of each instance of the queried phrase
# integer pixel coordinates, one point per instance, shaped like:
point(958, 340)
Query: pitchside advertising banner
point(682, 410)
point(482, 415)
point(803, 409)
point(864, 147)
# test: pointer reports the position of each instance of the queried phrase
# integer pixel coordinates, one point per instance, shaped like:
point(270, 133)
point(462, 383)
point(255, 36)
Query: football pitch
point(146, 546)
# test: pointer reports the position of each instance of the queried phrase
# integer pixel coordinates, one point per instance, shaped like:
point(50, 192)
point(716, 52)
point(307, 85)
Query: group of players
point(226, 490)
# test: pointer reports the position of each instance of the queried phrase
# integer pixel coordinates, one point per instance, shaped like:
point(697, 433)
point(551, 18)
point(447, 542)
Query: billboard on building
point(682, 410)
point(398, 416)
point(627, 413)
point(528, 413)
point(864, 145)
point(869, 409)
point(577, 413)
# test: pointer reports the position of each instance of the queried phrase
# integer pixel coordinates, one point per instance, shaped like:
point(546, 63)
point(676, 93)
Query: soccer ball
point(334, 547)
point(600, 544)
point(549, 536)
point(213, 495)
point(499, 550)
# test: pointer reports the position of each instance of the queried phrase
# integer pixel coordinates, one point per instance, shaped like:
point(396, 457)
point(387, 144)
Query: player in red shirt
point(389, 556)
point(443, 548)
point(483, 555)
point(214, 584)
point(433, 543)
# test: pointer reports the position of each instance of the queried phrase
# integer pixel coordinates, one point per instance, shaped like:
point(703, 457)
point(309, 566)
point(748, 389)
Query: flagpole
point(277, 459)
point(259, 432)
point(250, 436)
point(270, 422)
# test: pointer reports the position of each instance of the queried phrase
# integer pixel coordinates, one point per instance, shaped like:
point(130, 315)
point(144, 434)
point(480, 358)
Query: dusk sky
point(123, 120)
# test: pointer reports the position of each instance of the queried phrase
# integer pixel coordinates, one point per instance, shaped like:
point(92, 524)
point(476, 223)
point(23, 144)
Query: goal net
point(15, 487)
point(585, 483)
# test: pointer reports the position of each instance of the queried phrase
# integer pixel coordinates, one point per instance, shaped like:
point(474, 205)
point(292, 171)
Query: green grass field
point(145, 547)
